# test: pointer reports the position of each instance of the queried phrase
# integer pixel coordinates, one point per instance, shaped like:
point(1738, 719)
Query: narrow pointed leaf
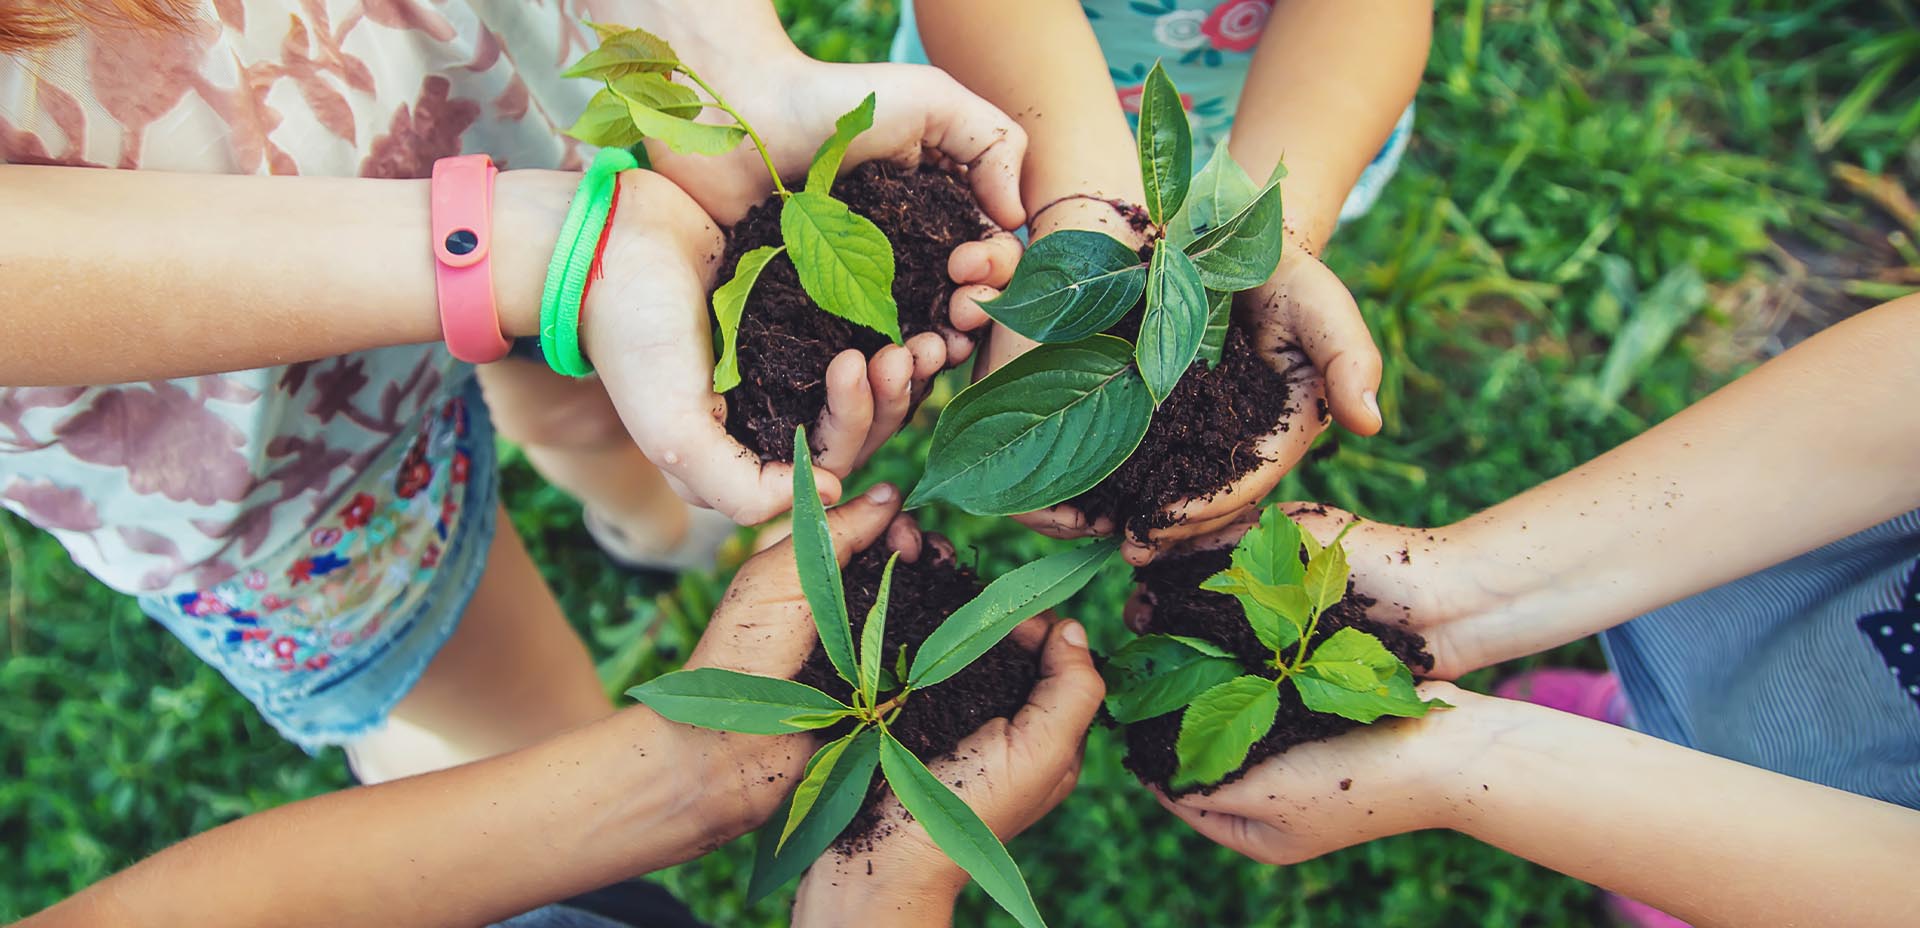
point(956, 830)
point(1157, 674)
point(1221, 726)
point(605, 122)
point(729, 304)
point(1042, 429)
point(624, 51)
point(776, 863)
point(1175, 322)
point(1242, 252)
point(1326, 579)
point(844, 260)
point(817, 565)
point(1395, 696)
point(820, 770)
point(873, 635)
point(826, 161)
point(1069, 285)
point(1213, 345)
point(1166, 145)
point(1019, 595)
point(727, 700)
point(1220, 189)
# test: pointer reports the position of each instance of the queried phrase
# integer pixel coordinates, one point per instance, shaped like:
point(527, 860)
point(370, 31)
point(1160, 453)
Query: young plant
point(1285, 581)
point(1056, 421)
point(844, 261)
point(840, 774)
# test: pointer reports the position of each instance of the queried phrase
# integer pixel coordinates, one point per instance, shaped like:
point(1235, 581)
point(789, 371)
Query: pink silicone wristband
point(462, 197)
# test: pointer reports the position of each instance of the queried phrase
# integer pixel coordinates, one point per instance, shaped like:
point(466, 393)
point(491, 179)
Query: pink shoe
point(1588, 693)
point(1631, 914)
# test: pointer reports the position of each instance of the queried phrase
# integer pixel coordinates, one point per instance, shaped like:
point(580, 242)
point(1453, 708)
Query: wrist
point(529, 208)
point(1452, 755)
point(1120, 217)
point(886, 886)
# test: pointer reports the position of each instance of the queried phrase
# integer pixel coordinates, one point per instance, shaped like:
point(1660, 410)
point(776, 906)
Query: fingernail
point(1074, 634)
point(881, 493)
point(1373, 404)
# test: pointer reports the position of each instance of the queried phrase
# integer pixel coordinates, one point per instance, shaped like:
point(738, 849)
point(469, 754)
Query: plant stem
point(759, 144)
point(1305, 640)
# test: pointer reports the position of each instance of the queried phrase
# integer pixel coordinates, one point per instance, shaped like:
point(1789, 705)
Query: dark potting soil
point(786, 341)
point(1180, 607)
point(933, 721)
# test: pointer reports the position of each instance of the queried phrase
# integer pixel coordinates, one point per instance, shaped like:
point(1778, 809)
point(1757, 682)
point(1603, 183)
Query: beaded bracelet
point(575, 257)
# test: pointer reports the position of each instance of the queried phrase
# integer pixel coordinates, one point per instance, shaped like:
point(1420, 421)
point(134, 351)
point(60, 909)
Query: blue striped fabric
point(1805, 668)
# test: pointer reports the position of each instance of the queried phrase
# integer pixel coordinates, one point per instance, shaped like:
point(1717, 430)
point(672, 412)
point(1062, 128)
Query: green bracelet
point(573, 260)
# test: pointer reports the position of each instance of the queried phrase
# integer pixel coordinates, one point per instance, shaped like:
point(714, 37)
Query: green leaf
point(1326, 580)
point(1353, 659)
point(776, 862)
point(817, 565)
point(1278, 615)
point(1157, 674)
point(826, 161)
point(1242, 252)
point(815, 720)
point(1175, 322)
point(727, 700)
point(1070, 285)
point(1220, 189)
point(659, 92)
point(1166, 145)
point(1019, 595)
point(729, 304)
point(956, 830)
point(845, 261)
point(1311, 545)
point(1394, 695)
point(623, 52)
point(1213, 344)
point(1270, 551)
point(819, 771)
point(1042, 429)
point(605, 122)
point(681, 134)
point(874, 633)
point(1220, 727)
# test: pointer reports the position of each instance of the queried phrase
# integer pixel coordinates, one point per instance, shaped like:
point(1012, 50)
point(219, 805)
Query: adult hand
point(1010, 772)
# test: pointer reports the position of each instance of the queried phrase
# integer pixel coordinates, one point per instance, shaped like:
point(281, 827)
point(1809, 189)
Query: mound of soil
point(786, 341)
point(1180, 607)
point(935, 720)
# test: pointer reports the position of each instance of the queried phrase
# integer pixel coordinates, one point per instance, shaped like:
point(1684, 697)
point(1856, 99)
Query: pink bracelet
point(462, 198)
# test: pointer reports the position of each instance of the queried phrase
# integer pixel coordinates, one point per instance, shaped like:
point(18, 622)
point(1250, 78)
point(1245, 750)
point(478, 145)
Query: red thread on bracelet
point(595, 270)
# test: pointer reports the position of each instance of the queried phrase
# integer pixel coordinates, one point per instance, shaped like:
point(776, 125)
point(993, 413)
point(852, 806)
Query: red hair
point(30, 24)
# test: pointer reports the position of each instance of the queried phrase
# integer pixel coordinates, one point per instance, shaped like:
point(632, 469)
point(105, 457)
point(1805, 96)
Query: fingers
point(1065, 522)
point(848, 416)
point(1068, 693)
point(975, 133)
point(964, 310)
point(989, 261)
point(903, 537)
point(1327, 322)
point(1138, 612)
point(890, 381)
point(930, 351)
point(861, 521)
point(1032, 633)
point(1228, 831)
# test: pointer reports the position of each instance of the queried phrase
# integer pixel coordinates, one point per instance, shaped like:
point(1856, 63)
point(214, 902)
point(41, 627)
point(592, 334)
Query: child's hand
point(1012, 773)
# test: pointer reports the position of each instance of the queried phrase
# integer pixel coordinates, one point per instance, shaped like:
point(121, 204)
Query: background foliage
point(1609, 208)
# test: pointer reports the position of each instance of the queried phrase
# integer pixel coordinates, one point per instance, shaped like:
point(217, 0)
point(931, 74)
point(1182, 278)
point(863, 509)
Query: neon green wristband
point(572, 260)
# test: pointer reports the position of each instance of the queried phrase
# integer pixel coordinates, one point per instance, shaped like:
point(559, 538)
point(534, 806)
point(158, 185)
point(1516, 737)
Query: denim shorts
point(326, 636)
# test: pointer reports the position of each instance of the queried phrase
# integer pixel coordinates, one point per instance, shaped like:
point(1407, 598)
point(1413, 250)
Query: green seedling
point(1057, 420)
point(1285, 581)
point(844, 261)
point(840, 774)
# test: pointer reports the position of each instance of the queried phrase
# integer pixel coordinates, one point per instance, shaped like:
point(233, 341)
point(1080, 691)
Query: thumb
point(858, 523)
point(1327, 323)
point(977, 134)
point(1068, 693)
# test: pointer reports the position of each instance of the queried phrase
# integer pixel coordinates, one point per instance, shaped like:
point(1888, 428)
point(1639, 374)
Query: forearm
point(1809, 448)
point(1709, 840)
point(1328, 81)
point(118, 276)
point(460, 847)
point(851, 892)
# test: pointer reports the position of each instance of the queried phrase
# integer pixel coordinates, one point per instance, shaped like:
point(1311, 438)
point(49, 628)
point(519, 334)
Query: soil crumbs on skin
point(933, 721)
point(786, 341)
point(1180, 607)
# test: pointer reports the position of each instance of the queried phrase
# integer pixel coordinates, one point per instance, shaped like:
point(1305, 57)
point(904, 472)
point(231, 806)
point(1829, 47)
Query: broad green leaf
point(606, 122)
point(1242, 252)
point(1353, 659)
point(819, 771)
point(1270, 551)
point(1042, 429)
point(1309, 544)
point(844, 260)
point(1326, 580)
point(1019, 595)
point(1069, 285)
point(1166, 145)
point(956, 830)
point(657, 91)
point(1213, 345)
point(684, 135)
point(1278, 615)
point(1220, 189)
point(1157, 674)
point(1175, 322)
point(1394, 695)
point(817, 564)
point(605, 31)
point(826, 161)
point(873, 635)
point(727, 700)
point(729, 304)
point(622, 52)
point(1219, 728)
point(775, 863)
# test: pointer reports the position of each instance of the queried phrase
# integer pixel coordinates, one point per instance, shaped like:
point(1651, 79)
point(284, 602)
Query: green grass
point(1591, 185)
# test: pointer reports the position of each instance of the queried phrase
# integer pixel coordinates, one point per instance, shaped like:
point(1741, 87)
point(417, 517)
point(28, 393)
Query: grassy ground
point(1610, 208)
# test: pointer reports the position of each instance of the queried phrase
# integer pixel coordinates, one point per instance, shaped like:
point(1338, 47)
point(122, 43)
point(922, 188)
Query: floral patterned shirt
point(1206, 45)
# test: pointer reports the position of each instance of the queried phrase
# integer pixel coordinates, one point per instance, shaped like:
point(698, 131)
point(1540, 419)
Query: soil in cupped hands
point(1180, 607)
point(787, 341)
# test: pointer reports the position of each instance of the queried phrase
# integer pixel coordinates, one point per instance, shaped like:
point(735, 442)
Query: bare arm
point(117, 276)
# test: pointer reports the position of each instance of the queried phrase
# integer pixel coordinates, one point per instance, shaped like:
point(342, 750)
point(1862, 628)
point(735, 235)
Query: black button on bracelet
point(462, 241)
